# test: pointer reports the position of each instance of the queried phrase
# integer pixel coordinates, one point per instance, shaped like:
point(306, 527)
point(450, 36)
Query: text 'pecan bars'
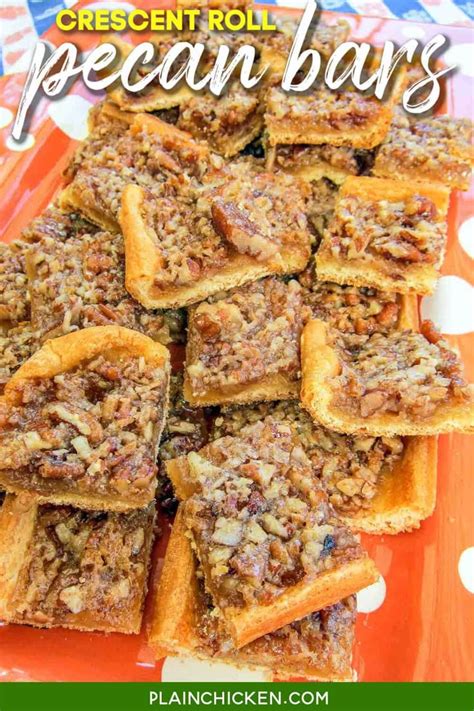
point(244, 345)
point(81, 420)
point(146, 152)
point(270, 544)
point(184, 623)
point(437, 150)
point(385, 234)
point(403, 383)
point(86, 570)
point(192, 242)
point(376, 484)
point(79, 281)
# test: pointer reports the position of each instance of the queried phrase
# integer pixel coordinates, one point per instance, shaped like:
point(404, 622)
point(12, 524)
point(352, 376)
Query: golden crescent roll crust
point(320, 364)
point(142, 259)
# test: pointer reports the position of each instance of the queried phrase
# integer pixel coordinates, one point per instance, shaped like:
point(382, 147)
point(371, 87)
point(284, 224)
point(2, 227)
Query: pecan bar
point(85, 570)
point(228, 122)
point(386, 235)
point(270, 544)
point(376, 484)
point(403, 382)
point(437, 149)
point(146, 153)
point(81, 420)
point(315, 162)
point(321, 116)
point(195, 241)
point(14, 297)
point(244, 345)
point(184, 622)
point(80, 282)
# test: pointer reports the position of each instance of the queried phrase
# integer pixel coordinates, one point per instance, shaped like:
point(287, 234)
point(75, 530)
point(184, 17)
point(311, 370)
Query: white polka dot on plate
point(182, 669)
point(466, 236)
point(6, 116)
point(466, 568)
point(372, 597)
point(460, 55)
point(27, 142)
point(451, 306)
point(70, 115)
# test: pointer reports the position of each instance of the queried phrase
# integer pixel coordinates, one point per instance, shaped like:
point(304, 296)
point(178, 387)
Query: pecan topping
point(273, 534)
point(238, 229)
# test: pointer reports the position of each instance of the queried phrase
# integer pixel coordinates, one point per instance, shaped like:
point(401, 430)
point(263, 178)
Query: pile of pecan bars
point(285, 239)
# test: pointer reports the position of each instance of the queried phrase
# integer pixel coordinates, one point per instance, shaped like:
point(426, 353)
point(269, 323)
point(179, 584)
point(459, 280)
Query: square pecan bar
point(146, 152)
point(81, 420)
point(385, 234)
point(400, 383)
point(270, 544)
point(194, 241)
point(64, 567)
point(184, 622)
point(80, 282)
point(376, 484)
point(437, 149)
point(244, 345)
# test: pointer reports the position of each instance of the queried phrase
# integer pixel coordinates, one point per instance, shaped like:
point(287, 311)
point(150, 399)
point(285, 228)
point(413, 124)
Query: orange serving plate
point(414, 625)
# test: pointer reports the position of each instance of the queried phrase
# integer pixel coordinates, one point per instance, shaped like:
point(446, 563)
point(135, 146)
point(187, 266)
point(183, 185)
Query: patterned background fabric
point(22, 21)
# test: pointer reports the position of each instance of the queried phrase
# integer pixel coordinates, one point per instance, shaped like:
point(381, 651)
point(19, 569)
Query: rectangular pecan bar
point(376, 484)
point(194, 241)
point(85, 570)
point(80, 282)
point(400, 383)
point(385, 234)
point(147, 152)
point(437, 149)
point(244, 345)
point(321, 116)
point(81, 420)
point(185, 622)
point(270, 544)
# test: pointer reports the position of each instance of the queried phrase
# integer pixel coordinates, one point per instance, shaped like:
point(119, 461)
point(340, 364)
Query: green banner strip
point(182, 696)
